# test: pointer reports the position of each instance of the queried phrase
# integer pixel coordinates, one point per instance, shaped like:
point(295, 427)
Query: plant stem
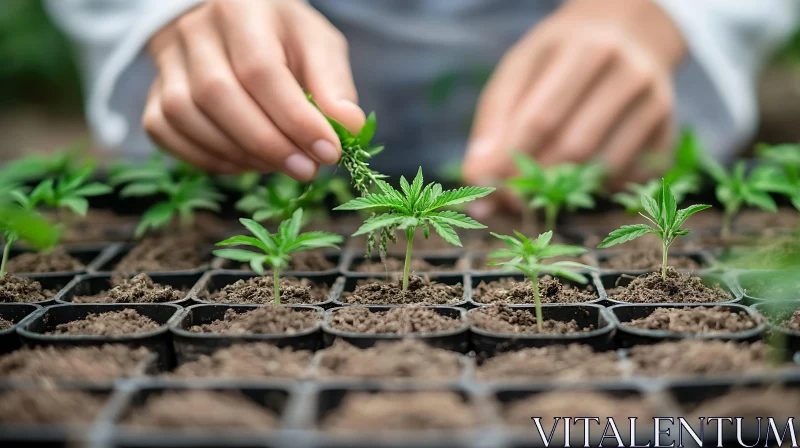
point(534, 279)
point(276, 284)
point(727, 219)
point(664, 262)
point(6, 251)
point(550, 217)
point(407, 267)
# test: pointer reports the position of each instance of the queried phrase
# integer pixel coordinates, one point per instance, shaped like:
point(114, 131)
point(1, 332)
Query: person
point(221, 83)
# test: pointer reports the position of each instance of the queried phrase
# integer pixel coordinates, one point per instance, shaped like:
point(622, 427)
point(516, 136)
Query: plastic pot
point(93, 284)
point(50, 282)
point(90, 256)
point(191, 345)
point(609, 281)
point(157, 341)
point(351, 281)
point(457, 263)
point(628, 336)
point(335, 257)
point(109, 260)
point(767, 285)
point(781, 310)
point(18, 314)
point(456, 340)
point(488, 343)
point(476, 279)
point(216, 280)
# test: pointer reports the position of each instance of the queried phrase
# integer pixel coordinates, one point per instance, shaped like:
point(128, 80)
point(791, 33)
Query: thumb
point(343, 110)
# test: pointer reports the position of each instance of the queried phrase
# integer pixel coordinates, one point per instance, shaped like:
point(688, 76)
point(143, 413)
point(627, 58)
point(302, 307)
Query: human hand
point(229, 93)
point(593, 81)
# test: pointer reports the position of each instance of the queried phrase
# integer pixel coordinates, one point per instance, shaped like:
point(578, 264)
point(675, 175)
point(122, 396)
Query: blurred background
point(40, 90)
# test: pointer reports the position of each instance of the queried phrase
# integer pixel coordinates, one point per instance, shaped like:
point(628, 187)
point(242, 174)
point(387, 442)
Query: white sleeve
point(729, 41)
point(110, 37)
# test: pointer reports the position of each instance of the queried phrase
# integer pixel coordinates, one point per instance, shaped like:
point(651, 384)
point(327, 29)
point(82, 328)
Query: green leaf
point(652, 208)
point(669, 208)
point(93, 189)
point(560, 250)
point(456, 219)
point(244, 240)
point(368, 131)
point(259, 232)
point(380, 221)
point(241, 255)
point(315, 240)
point(369, 201)
point(685, 213)
point(541, 241)
point(446, 232)
point(77, 204)
point(625, 234)
point(460, 196)
point(139, 189)
point(510, 241)
point(156, 217)
point(257, 265)
point(761, 200)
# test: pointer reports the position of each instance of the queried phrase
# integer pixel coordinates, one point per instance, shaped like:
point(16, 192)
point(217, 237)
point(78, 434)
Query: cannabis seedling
point(275, 249)
point(785, 177)
point(662, 211)
point(281, 196)
point(681, 186)
point(417, 206)
point(527, 256)
point(70, 191)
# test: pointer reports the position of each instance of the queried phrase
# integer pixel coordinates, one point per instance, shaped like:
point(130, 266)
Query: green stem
point(550, 217)
point(536, 300)
point(407, 267)
point(276, 284)
point(664, 262)
point(727, 220)
point(6, 251)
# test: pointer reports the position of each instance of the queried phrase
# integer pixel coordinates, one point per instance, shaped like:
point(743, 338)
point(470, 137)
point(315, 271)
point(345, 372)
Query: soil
point(647, 260)
point(382, 411)
point(677, 288)
point(177, 252)
point(37, 262)
point(201, 410)
point(394, 264)
point(46, 406)
point(408, 358)
point(5, 324)
point(551, 290)
point(99, 226)
point(404, 320)
point(139, 289)
point(574, 403)
point(786, 218)
point(93, 364)
point(308, 261)
point(421, 291)
point(503, 319)
point(263, 320)
point(249, 361)
point(750, 403)
point(695, 320)
point(698, 357)
point(793, 323)
point(112, 323)
point(15, 289)
point(558, 362)
point(260, 290)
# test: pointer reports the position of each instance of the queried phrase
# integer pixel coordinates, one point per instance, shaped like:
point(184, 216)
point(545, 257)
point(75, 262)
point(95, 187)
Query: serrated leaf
point(625, 234)
point(377, 222)
point(456, 219)
point(243, 240)
point(685, 213)
point(510, 241)
point(446, 232)
point(651, 208)
point(541, 241)
point(259, 232)
point(237, 254)
point(459, 196)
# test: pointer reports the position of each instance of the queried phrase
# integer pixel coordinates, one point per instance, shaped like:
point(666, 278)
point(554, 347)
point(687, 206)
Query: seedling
point(417, 206)
point(242, 183)
point(58, 163)
point(187, 190)
point(557, 187)
point(527, 256)
point(786, 179)
point(281, 196)
point(275, 249)
point(662, 211)
point(681, 186)
point(69, 191)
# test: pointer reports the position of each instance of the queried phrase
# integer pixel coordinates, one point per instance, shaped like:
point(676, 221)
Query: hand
point(229, 94)
point(591, 82)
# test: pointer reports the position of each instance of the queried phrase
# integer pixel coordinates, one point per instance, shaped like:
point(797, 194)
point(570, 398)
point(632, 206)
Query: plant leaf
point(625, 234)
point(244, 256)
point(445, 231)
point(456, 219)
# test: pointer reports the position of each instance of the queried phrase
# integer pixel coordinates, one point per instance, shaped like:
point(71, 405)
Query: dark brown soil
point(557, 362)
point(394, 321)
point(262, 320)
point(60, 407)
point(793, 323)
point(94, 364)
point(99, 226)
point(695, 320)
point(15, 289)
point(202, 410)
point(112, 323)
point(551, 290)
point(371, 412)
point(139, 289)
point(249, 361)
point(698, 357)
point(395, 264)
point(260, 291)
point(647, 260)
point(408, 358)
point(750, 403)
point(56, 261)
point(503, 319)
point(309, 261)
point(176, 252)
point(5, 324)
point(548, 405)
point(421, 291)
point(677, 288)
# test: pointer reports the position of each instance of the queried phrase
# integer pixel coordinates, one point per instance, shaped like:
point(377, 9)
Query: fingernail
point(325, 151)
point(300, 166)
point(480, 209)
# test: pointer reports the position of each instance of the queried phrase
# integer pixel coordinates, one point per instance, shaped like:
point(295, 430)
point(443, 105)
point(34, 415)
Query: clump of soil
point(793, 323)
point(262, 320)
point(30, 406)
point(570, 362)
point(408, 358)
point(394, 264)
point(551, 290)
point(649, 260)
point(504, 319)
point(15, 289)
point(254, 361)
point(698, 357)
point(751, 403)
point(174, 252)
point(94, 364)
point(111, 323)
point(370, 412)
point(677, 288)
point(139, 289)
point(5, 324)
point(56, 261)
point(394, 321)
point(695, 320)
point(421, 291)
point(260, 290)
point(201, 410)
point(548, 405)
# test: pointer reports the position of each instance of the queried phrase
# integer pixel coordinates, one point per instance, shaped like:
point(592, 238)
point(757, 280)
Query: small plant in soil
point(52, 164)
point(68, 191)
point(527, 256)
point(662, 212)
point(557, 187)
point(417, 206)
point(275, 249)
point(786, 160)
point(186, 189)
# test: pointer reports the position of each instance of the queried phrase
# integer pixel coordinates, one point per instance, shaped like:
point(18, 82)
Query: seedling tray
point(90, 255)
point(18, 314)
point(51, 282)
point(744, 279)
point(93, 284)
point(609, 280)
point(781, 309)
point(115, 253)
point(350, 282)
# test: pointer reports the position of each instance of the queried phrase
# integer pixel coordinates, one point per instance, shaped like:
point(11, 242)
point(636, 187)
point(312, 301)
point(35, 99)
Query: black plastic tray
point(51, 282)
point(18, 314)
point(780, 310)
point(93, 284)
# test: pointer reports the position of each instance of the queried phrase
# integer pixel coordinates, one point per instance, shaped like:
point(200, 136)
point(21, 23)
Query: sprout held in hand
point(526, 256)
point(416, 207)
point(666, 219)
point(276, 249)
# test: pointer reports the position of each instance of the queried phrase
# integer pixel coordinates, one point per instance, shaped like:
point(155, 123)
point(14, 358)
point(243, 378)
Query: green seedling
point(785, 179)
point(417, 206)
point(275, 250)
point(681, 186)
point(556, 187)
point(281, 196)
point(526, 256)
point(186, 190)
point(69, 191)
point(662, 212)
point(51, 165)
